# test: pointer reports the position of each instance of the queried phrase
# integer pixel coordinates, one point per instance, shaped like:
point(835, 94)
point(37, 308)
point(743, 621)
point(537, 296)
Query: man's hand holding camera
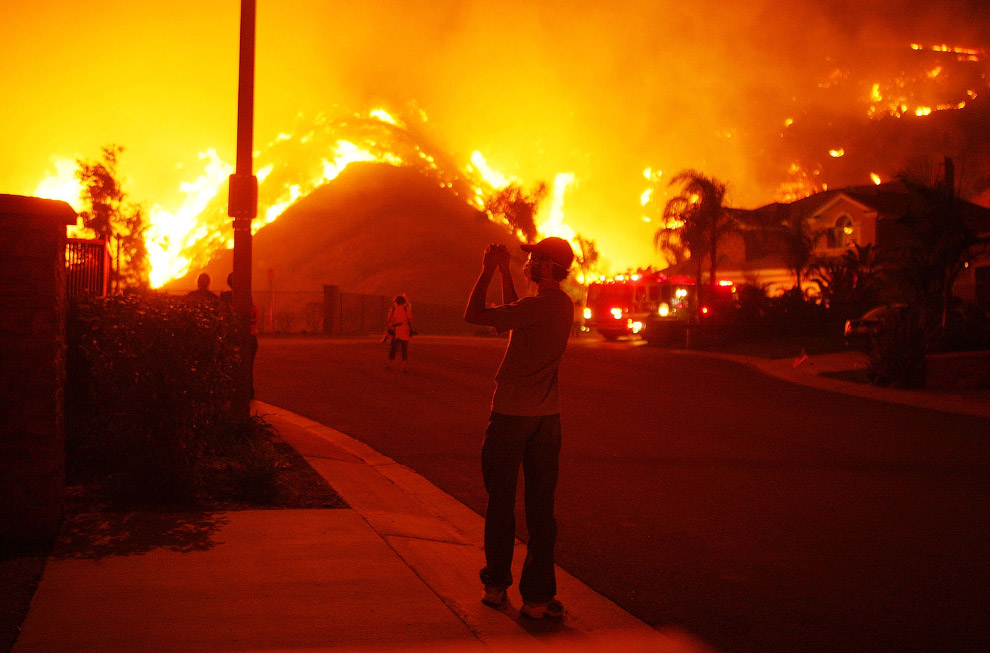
point(496, 256)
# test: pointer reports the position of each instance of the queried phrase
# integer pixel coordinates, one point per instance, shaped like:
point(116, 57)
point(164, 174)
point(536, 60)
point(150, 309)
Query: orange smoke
point(595, 92)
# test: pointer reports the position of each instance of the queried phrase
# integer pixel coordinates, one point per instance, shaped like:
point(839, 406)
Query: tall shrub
point(150, 384)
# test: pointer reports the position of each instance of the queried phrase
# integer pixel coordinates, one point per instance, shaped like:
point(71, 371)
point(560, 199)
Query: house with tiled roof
point(863, 215)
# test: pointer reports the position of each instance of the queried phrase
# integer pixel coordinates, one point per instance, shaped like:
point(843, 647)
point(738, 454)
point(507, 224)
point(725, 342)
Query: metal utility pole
point(242, 206)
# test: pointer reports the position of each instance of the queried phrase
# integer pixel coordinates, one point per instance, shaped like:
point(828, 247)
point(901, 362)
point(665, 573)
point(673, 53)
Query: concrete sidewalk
point(396, 571)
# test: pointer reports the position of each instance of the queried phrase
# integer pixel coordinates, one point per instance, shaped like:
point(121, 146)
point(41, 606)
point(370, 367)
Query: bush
point(148, 398)
point(897, 352)
point(752, 305)
point(967, 329)
point(759, 317)
point(793, 314)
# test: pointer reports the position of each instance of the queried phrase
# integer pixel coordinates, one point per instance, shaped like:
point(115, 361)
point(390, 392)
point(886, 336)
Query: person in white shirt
point(524, 426)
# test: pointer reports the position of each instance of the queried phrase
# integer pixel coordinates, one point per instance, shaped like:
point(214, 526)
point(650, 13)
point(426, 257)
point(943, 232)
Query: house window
point(843, 234)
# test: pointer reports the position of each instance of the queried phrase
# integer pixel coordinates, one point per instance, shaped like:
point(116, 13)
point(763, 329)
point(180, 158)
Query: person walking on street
point(524, 426)
point(399, 322)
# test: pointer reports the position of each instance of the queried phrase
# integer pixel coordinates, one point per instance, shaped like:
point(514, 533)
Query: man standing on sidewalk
point(524, 427)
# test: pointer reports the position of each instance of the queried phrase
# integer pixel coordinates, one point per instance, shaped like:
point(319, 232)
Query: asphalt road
point(758, 514)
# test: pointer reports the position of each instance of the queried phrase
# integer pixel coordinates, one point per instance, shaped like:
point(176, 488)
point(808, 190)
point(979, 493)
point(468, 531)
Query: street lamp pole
point(242, 206)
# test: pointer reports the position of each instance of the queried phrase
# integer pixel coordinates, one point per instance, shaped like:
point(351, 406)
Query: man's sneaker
point(493, 596)
point(553, 610)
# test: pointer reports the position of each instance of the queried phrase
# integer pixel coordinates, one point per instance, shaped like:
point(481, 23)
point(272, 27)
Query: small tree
point(941, 244)
point(112, 218)
point(518, 208)
point(836, 284)
point(587, 256)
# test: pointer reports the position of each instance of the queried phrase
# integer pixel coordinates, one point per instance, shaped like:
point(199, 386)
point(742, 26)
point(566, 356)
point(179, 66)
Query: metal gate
point(87, 267)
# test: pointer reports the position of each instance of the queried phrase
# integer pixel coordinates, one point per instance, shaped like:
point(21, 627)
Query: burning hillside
point(374, 229)
point(295, 164)
point(779, 100)
point(875, 112)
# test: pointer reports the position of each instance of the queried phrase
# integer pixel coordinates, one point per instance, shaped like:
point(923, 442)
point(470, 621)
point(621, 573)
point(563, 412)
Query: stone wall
point(32, 368)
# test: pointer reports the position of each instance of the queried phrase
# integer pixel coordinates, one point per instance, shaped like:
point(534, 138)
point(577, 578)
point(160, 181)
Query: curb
point(440, 539)
point(975, 404)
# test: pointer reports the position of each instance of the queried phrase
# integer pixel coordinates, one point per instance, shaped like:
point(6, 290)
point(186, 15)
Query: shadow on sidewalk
point(97, 535)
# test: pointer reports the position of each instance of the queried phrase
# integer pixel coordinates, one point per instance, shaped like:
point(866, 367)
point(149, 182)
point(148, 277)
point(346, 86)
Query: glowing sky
point(599, 90)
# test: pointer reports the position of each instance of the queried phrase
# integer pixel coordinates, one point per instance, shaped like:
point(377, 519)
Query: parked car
point(861, 331)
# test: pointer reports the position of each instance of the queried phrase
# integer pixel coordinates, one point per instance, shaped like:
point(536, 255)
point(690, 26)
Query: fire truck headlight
point(637, 327)
point(617, 313)
point(587, 313)
point(681, 292)
point(664, 310)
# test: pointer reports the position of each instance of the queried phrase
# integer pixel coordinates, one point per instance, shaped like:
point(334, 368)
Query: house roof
point(11, 205)
point(890, 200)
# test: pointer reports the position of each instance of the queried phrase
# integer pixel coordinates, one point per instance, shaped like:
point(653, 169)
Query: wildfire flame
point(554, 224)
point(63, 186)
point(652, 176)
point(936, 78)
point(901, 96)
point(965, 54)
point(187, 237)
point(913, 84)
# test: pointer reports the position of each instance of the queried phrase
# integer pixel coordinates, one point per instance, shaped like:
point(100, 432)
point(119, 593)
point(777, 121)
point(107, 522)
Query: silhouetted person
point(524, 426)
point(399, 321)
point(203, 294)
point(227, 299)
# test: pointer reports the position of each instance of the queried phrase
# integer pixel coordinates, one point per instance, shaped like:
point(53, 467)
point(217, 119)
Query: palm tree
point(587, 256)
point(697, 220)
point(863, 261)
point(848, 285)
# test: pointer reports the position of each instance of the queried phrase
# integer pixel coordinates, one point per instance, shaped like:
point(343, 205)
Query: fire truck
point(652, 305)
point(623, 305)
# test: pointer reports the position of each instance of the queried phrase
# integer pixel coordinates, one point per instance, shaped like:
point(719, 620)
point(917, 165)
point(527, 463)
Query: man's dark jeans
point(534, 443)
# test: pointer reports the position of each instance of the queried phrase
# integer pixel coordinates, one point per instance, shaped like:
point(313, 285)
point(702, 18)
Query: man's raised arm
point(476, 311)
point(508, 288)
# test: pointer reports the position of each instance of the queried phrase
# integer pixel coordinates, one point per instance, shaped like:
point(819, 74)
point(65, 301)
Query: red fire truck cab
point(625, 304)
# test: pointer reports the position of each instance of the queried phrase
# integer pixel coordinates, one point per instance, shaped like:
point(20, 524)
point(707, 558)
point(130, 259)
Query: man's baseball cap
point(556, 249)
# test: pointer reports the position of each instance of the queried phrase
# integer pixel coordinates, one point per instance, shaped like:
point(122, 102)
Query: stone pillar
point(32, 368)
point(331, 310)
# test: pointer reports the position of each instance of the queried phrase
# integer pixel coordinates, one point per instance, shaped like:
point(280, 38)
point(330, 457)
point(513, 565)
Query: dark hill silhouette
point(375, 229)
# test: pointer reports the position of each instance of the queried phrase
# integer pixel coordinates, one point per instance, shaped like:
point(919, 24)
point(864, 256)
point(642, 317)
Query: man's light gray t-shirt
point(526, 383)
